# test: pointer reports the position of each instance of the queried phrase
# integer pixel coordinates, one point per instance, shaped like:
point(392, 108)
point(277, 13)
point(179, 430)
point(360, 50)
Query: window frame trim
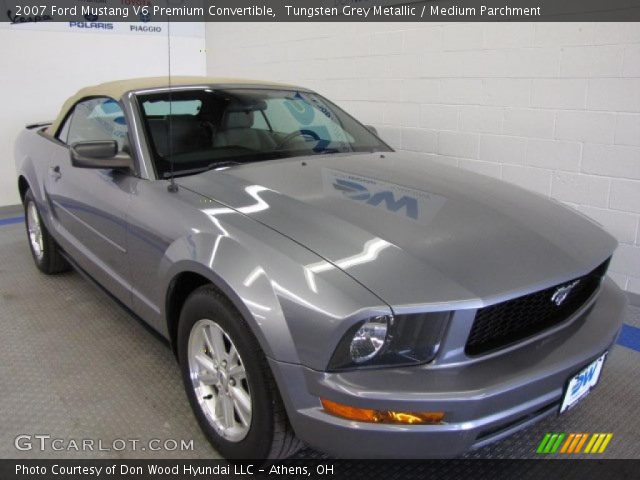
point(133, 109)
point(130, 138)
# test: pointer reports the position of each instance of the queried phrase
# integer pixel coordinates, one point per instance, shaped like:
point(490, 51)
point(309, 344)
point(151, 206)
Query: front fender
point(295, 320)
point(228, 265)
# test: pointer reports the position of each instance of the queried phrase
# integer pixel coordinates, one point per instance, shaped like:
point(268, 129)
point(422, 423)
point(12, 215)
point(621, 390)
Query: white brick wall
point(554, 107)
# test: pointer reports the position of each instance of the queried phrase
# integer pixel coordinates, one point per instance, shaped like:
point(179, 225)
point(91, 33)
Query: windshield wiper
point(211, 166)
point(221, 164)
point(326, 151)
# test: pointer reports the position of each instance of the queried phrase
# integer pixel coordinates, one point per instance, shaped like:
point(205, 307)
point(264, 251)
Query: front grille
point(505, 323)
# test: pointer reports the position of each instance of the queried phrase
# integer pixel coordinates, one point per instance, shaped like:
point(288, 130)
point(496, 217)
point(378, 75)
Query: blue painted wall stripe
point(11, 220)
point(630, 337)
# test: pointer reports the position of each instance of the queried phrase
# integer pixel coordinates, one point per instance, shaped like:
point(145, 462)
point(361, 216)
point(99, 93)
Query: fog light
point(381, 416)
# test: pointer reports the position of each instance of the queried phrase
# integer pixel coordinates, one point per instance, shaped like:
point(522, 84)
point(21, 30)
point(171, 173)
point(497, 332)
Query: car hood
point(417, 233)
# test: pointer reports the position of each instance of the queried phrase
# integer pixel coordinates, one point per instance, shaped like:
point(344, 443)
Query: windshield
point(201, 129)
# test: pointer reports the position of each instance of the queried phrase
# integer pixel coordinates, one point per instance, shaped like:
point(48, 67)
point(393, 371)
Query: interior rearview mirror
point(372, 129)
point(99, 154)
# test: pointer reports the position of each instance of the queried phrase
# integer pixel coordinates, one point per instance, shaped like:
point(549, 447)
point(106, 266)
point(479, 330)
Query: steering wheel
point(307, 134)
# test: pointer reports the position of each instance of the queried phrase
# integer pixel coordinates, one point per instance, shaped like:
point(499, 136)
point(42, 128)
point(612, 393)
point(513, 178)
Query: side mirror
point(372, 129)
point(100, 154)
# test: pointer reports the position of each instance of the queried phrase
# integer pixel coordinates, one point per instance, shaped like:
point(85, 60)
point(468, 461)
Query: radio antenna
point(173, 186)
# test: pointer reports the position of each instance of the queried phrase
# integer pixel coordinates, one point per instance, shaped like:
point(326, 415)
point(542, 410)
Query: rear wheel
point(44, 249)
point(229, 383)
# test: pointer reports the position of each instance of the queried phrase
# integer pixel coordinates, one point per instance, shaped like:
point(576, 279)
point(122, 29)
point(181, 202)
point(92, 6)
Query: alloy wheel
point(35, 231)
point(219, 380)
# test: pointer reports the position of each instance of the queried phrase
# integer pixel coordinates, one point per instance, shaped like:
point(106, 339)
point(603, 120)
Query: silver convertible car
point(318, 287)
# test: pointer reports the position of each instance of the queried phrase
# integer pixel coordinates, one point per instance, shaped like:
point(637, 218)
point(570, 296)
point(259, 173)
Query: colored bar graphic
point(565, 447)
point(598, 443)
point(555, 447)
point(590, 444)
point(550, 443)
point(596, 446)
point(606, 441)
point(573, 443)
point(581, 443)
point(543, 443)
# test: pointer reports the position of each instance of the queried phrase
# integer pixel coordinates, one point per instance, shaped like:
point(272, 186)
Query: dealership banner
point(318, 468)
point(147, 15)
point(79, 16)
point(179, 29)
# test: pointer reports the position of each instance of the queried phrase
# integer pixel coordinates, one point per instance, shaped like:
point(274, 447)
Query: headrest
point(246, 106)
point(242, 119)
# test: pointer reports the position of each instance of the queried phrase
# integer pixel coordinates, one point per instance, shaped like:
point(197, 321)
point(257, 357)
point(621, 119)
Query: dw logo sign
point(357, 191)
point(584, 378)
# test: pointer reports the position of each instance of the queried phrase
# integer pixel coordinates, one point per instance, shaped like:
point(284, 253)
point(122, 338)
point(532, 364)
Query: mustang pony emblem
point(561, 294)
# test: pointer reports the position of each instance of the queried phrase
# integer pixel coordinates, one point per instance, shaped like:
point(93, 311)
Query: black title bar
point(570, 469)
point(110, 11)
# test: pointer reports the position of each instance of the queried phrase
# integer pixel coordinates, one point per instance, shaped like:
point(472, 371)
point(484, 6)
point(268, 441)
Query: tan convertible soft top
point(118, 88)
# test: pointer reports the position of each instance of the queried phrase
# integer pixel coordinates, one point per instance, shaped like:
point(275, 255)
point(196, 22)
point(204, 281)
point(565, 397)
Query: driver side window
point(93, 120)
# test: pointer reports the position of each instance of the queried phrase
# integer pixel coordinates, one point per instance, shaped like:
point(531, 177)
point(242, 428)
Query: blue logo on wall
point(357, 191)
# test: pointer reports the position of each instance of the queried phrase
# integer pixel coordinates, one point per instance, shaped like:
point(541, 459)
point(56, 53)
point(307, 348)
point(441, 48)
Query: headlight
point(391, 341)
point(369, 339)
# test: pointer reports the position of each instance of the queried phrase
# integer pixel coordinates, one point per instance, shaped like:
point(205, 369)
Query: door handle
point(55, 172)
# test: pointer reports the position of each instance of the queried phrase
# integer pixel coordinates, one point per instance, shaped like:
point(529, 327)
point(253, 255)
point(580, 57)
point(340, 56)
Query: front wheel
point(44, 249)
point(228, 381)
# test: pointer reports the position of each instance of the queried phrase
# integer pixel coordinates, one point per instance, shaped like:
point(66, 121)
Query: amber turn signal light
point(381, 416)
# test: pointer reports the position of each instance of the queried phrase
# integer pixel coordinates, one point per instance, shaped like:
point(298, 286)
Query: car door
point(89, 206)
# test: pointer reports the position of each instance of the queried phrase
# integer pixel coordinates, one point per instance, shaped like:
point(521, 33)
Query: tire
point(44, 249)
point(267, 434)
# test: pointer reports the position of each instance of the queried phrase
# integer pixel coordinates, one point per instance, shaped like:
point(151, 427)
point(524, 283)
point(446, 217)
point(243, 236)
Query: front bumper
point(484, 401)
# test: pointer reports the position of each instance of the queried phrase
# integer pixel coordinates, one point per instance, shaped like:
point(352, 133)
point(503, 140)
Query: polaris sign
point(92, 25)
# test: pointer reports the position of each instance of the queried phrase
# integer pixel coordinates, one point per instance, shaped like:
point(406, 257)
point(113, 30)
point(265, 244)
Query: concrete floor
point(74, 365)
